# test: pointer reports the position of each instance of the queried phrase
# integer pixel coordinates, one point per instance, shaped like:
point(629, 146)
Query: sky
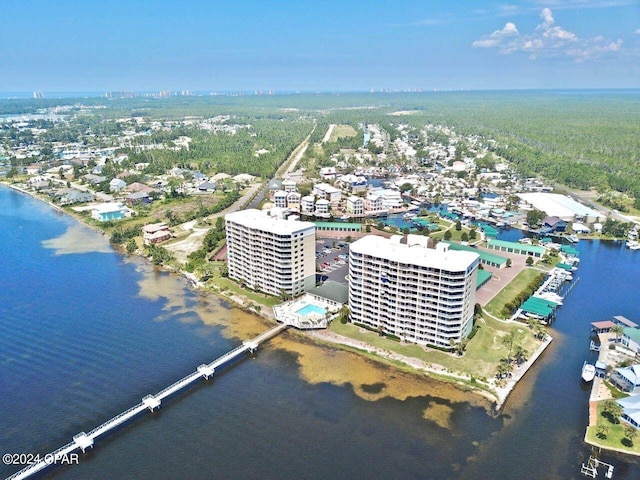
point(326, 45)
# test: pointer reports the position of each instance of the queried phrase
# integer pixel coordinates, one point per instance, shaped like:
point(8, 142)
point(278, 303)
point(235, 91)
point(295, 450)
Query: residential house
point(108, 211)
point(627, 379)
point(327, 192)
point(631, 409)
point(155, 233)
point(136, 198)
point(373, 203)
point(553, 224)
point(73, 196)
point(207, 187)
point(322, 207)
point(328, 173)
point(293, 201)
point(289, 186)
point(94, 179)
point(355, 205)
point(631, 339)
point(117, 185)
point(308, 204)
point(353, 183)
point(280, 199)
point(273, 186)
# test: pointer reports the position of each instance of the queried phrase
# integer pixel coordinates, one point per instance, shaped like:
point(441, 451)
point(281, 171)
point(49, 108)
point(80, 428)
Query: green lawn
point(456, 235)
point(226, 284)
point(341, 131)
point(614, 437)
point(510, 291)
point(483, 352)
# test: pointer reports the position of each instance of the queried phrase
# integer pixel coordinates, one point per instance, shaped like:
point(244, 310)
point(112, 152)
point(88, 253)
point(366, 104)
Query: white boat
point(633, 244)
point(409, 216)
point(573, 238)
point(588, 372)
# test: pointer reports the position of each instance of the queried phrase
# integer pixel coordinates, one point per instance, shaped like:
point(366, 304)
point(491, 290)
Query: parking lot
point(332, 258)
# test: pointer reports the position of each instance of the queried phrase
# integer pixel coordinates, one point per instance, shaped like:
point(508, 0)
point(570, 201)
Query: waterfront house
point(553, 224)
point(108, 211)
point(627, 379)
point(631, 339)
point(355, 205)
point(155, 233)
point(72, 196)
point(631, 409)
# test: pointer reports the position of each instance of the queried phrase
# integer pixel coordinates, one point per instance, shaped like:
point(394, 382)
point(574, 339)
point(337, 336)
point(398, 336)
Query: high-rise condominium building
point(271, 254)
point(401, 287)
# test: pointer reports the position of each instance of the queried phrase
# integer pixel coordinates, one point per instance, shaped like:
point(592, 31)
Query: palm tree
point(618, 330)
point(613, 410)
point(520, 355)
point(630, 432)
point(603, 431)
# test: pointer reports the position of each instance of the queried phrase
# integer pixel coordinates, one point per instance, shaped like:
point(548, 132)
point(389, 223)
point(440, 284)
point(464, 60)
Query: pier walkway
point(83, 440)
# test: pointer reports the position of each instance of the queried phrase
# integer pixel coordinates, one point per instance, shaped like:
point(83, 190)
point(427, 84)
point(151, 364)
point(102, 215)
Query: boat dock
point(83, 440)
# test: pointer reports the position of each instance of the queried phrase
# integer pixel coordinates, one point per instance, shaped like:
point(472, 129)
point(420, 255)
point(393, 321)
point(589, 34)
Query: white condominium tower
point(401, 287)
point(271, 254)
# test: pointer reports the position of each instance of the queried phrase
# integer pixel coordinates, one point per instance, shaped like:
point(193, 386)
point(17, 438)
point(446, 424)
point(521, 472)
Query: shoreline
point(493, 392)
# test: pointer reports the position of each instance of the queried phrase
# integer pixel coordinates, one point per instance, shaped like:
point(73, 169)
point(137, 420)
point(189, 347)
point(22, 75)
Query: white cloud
point(499, 37)
point(637, 31)
point(547, 40)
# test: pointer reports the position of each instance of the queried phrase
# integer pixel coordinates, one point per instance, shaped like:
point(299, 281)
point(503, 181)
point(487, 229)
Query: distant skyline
point(331, 45)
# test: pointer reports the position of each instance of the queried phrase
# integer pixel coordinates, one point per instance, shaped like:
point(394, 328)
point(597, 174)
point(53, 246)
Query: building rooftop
point(522, 247)
point(554, 204)
point(336, 291)
point(414, 252)
point(262, 221)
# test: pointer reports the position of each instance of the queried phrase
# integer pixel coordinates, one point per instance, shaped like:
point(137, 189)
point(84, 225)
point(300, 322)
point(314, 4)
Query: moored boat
point(633, 245)
point(573, 238)
point(588, 372)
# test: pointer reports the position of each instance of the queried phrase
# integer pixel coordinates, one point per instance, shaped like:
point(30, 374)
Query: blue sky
point(331, 45)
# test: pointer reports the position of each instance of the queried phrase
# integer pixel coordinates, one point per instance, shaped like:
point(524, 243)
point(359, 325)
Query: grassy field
point(615, 436)
point(510, 291)
point(341, 131)
point(480, 359)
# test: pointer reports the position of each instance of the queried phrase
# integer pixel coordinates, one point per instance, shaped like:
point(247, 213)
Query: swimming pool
point(307, 309)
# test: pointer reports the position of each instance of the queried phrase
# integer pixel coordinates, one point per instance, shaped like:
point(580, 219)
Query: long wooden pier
point(83, 440)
